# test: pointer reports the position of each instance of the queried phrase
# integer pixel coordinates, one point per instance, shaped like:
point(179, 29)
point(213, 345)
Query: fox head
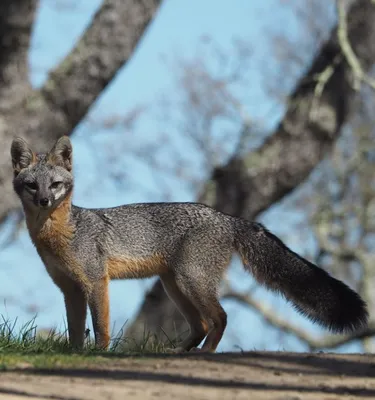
point(42, 181)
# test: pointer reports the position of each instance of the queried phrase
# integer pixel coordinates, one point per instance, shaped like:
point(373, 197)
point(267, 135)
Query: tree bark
point(246, 186)
point(41, 116)
point(16, 21)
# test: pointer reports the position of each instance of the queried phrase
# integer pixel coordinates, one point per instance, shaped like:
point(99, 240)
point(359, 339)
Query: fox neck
point(51, 225)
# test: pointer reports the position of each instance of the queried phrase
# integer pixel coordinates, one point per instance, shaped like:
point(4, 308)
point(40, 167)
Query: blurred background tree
point(312, 152)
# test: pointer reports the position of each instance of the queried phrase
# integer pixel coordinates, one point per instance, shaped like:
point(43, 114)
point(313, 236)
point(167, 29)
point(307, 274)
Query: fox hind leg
point(205, 300)
point(198, 325)
point(199, 266)
point(196, 297)
point(219, 318)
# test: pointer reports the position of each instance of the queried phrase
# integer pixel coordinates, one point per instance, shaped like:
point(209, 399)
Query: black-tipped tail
point(314, 293)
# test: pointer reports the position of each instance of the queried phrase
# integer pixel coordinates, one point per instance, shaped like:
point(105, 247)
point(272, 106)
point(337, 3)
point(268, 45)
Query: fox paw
point(201, 350)
point(197, 350)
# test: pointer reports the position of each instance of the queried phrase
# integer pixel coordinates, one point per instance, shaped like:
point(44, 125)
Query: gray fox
point(189, 245)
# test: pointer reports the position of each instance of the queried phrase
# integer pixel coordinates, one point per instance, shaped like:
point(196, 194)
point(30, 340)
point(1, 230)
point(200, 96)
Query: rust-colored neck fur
point(52, 235)
point(55, 227)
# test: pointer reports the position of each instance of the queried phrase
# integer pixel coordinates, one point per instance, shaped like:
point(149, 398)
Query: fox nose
point(44, 202)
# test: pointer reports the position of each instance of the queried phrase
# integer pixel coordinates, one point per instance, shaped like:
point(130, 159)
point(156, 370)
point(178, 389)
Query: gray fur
point(142, 230)
point(41, 173)
point(196, 241)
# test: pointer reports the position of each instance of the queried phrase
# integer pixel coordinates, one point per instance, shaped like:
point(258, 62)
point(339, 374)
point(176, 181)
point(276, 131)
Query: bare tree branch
point(103, 49)
point(342, 34)
point(247, 186)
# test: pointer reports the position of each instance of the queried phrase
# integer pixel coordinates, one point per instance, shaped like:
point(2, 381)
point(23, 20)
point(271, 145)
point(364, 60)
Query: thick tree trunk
point(41, 116)
point(249, 185)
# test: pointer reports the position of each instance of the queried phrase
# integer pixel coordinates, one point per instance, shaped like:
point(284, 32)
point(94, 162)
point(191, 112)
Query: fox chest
point(57, 255)
point(52, 261)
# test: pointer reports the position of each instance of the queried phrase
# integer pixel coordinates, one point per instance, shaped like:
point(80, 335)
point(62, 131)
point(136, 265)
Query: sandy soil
point(254, 375)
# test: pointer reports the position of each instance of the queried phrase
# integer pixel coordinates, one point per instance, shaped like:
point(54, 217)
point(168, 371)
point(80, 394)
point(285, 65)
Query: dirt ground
point(253, 375)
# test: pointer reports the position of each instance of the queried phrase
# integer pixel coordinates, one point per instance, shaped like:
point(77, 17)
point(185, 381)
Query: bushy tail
point(314, 293)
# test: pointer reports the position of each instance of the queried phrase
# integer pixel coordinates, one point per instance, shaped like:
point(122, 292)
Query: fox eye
point(55, 185)
point(31, 185)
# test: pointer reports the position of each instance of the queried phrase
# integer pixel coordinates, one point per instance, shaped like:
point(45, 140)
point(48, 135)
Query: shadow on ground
point(351, 375)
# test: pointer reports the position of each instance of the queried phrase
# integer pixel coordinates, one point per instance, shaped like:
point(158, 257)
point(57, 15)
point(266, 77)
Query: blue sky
point(177, 30)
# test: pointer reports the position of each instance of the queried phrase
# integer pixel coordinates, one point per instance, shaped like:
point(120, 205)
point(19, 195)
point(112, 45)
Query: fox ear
point(22, 155)
point(61, 153)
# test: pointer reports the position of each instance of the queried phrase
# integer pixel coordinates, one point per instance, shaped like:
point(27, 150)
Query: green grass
point(26, 347)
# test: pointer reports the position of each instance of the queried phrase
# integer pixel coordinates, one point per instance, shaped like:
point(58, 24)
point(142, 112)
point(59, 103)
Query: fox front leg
point(75, 305)
point(76, 309)
point(99, 306)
